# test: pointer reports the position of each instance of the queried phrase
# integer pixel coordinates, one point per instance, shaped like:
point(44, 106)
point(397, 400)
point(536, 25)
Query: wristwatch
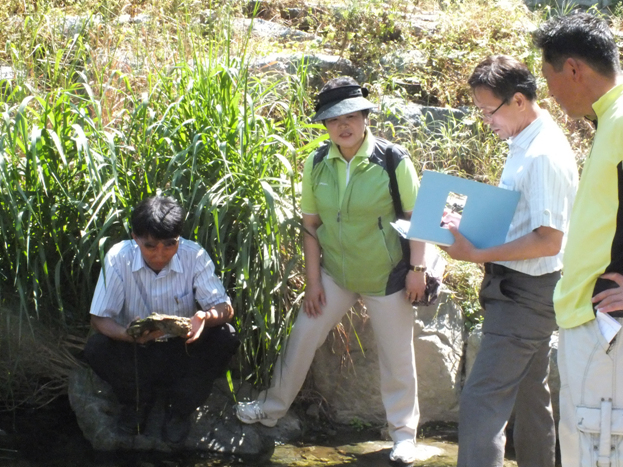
point(418, 268)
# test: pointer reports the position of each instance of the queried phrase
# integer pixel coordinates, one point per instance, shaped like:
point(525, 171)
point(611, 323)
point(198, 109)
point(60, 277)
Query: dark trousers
point(511, 370)
point(183, 372)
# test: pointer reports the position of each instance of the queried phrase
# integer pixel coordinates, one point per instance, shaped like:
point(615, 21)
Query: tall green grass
point(78, 154)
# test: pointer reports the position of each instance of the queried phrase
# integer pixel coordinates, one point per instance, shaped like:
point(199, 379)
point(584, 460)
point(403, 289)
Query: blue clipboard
point(486, 217)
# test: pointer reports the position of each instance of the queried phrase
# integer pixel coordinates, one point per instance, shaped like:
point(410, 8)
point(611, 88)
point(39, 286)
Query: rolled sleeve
point(548, 194)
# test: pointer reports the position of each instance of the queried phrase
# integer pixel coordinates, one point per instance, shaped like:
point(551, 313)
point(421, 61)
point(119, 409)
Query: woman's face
point(347, 131)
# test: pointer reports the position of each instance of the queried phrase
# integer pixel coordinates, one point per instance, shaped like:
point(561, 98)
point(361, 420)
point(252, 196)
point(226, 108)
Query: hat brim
point(343, 107)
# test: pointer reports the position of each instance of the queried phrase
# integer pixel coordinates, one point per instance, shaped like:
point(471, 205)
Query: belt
point(493, 268)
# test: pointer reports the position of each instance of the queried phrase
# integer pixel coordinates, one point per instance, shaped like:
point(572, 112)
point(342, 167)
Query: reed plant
point(78, 153)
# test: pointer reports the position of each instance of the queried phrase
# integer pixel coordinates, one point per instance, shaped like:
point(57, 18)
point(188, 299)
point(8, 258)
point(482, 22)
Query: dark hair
point(504, 76)
point(339, 83)
point(581, 36)
point(160, 217)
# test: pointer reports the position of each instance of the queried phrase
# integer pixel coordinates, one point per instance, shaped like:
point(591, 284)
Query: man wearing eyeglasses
point(512, 366)
point(159, 272)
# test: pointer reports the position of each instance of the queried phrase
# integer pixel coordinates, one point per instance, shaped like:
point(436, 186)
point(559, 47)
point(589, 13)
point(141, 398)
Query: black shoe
point(176, 428)
point(132, 419)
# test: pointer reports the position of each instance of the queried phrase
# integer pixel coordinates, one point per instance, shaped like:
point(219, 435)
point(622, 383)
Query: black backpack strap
point(321, 153)
point(395, 194)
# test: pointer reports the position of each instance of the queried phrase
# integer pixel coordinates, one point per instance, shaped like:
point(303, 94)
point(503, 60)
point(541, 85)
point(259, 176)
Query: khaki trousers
point(392, 320)
point(591, 397)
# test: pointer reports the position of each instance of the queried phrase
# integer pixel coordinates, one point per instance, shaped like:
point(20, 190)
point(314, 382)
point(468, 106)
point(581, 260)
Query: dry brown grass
point(35, 362)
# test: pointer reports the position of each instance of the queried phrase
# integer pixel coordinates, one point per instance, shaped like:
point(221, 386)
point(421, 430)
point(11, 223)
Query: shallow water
point(50, 437)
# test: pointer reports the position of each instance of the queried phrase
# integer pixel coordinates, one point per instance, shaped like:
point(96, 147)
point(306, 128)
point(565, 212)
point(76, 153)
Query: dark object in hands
point(431, 294)
point(169, 325)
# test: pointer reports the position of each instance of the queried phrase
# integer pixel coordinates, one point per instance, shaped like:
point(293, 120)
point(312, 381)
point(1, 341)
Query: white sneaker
point(252, 412)
point(404, 451)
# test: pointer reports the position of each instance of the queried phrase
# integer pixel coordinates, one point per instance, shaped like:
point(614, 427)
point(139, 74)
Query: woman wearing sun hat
point(352, 252)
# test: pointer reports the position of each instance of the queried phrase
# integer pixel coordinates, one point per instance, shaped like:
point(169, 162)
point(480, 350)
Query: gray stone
point(270, 30)
point(407, 116)
point(434, 115)
point(214, 429)
point(439, 343)
point(319, 66)
point(126, 19)
point(347, 376)
point(404, 60)
point(72, 25)
point(6, 72)
point(423, 24)
point(401, 113)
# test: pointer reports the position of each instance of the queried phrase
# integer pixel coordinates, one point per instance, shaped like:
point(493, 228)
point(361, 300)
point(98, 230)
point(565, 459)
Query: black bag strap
point(395, 194)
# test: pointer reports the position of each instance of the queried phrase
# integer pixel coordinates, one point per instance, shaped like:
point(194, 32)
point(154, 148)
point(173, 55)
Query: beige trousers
point(392, 320)
point(591, 398)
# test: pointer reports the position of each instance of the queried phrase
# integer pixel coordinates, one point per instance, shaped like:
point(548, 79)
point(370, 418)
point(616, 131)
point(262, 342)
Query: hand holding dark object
point(197, 323)
point(415, 285)
point(431, 294)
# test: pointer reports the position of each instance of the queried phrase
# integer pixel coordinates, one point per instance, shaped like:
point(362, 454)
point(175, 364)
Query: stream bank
point(50, 437)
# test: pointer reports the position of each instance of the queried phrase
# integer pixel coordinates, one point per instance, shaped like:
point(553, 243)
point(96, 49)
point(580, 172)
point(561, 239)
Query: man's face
point(157, 253)
point(503, 118)
point(563, 87)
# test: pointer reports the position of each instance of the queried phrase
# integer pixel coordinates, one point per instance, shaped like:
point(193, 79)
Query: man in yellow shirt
point(581, 66)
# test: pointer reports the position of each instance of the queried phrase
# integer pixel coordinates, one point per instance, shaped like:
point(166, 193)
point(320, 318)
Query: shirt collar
point(174, 265)
point(525, 136)
point(364, 152)
point(605, 102)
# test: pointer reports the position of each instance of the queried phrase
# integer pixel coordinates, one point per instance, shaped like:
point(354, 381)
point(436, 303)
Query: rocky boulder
point(271, 30)
point(214, 429)
point(345, 369)
point(319, 66)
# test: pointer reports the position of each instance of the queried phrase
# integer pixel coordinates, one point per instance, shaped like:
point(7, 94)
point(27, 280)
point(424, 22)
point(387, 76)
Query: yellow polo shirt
point(595, 241)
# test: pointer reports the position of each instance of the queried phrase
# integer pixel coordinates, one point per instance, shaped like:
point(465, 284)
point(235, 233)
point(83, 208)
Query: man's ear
point(520, 100)
point(134, 237)
point(574, 67)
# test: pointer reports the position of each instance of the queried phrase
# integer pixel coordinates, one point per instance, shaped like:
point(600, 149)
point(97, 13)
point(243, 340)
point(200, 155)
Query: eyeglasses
point(489, 115)
point(153, 244)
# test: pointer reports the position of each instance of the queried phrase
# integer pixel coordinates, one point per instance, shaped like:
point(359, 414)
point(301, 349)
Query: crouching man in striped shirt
point(159, 272)
point(512, 366)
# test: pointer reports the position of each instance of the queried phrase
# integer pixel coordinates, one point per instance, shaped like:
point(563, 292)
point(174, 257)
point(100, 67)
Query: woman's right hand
point(314, 299)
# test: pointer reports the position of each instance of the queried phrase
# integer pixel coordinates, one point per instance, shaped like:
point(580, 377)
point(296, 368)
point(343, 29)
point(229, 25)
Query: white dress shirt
point(127, 288)
point(542, 167)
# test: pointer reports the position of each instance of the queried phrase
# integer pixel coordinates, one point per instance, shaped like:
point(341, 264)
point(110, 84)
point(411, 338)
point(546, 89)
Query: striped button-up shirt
point(127, 288)
point(542, 167)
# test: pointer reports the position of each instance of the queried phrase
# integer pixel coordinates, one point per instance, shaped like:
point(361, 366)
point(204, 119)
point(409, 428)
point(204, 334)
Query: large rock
point(270, 30)
point(320, 67)
point(439, 343)
point(346, 373)
point(214, 429)
point(473, 346)
point(408, 116)
point(73, 25)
